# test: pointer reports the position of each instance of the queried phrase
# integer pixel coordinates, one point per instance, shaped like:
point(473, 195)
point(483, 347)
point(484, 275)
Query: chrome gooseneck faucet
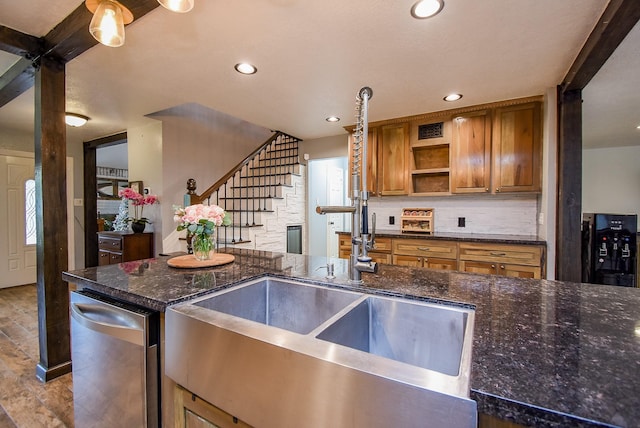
point(361, 241)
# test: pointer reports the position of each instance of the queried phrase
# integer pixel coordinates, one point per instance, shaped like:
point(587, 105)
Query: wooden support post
point(51, 215)
point(568, 239)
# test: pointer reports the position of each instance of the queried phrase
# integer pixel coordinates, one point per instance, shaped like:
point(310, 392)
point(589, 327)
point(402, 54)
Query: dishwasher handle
point(112, 322)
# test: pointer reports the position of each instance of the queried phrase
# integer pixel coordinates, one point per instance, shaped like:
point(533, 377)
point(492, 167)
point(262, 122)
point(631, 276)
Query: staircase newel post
point(190, 199)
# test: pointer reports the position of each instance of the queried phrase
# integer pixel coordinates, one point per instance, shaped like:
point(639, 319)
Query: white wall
point(323, 148)
point(611, 180)
point(144, 150)
point(198, 143)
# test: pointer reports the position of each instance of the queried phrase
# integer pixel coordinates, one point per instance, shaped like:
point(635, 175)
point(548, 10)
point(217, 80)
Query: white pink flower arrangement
point(137, 200)
point(200, 219)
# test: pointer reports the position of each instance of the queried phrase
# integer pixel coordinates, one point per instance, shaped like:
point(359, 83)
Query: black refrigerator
point(609, 249)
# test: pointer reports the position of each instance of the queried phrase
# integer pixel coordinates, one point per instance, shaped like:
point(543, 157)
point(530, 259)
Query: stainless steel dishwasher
point(115, 355)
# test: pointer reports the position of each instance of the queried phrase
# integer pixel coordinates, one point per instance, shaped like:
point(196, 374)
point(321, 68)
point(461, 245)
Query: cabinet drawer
point(108, 243)
point(382, 245)
point(425, 247)
point(103, 258)
point(380, 257)
point(527, 255)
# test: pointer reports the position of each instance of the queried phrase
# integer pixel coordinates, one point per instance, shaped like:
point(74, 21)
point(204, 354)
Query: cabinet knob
point(493, 266)
point(486, 189)
point(497, 189)
point(501, 266)
point(104, 255)
point(115, 244)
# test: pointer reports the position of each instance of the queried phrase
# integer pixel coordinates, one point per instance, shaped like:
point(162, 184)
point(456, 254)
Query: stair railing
point(261, 172)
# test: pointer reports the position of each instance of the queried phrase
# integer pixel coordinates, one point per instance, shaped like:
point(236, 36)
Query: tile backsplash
point(486, 214)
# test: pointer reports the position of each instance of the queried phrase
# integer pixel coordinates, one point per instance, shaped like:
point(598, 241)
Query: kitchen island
point(545, 353)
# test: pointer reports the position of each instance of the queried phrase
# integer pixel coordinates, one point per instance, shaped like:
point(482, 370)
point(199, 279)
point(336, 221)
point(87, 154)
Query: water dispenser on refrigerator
point(609, 249)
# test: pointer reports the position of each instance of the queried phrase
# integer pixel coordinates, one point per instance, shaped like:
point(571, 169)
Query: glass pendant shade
point(180, 6)
point(107, 24)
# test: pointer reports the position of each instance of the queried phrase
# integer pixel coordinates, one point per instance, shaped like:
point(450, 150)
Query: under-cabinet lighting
point(333, 119)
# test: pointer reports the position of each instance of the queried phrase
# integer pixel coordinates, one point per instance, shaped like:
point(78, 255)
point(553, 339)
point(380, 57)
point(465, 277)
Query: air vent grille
point(430, 130)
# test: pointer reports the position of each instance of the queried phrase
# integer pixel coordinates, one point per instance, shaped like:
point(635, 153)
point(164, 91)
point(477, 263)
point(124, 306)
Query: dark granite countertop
point(467, 237)
point(545, 353)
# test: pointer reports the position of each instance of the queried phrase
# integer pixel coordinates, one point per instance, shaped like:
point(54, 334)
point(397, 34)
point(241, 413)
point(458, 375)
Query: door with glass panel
point(17, 221)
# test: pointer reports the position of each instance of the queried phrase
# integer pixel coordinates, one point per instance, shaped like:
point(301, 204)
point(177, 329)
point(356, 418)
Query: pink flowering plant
point(200, 222)
point(138, 201)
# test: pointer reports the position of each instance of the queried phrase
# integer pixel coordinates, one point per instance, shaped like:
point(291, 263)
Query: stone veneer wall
point(289, 211)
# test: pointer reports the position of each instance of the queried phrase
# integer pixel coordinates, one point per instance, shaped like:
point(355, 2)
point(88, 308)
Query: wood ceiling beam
point(17, 80)
point(18, 43)
point(616, 22)
point(63, 43)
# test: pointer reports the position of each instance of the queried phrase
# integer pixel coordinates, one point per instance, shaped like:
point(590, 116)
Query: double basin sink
point(277, 352)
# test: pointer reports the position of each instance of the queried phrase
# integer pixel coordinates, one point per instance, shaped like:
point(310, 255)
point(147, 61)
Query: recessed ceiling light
point(452, 97)
point(426, 8)
point(333, 119)
point(73, 119)
point(245, 68)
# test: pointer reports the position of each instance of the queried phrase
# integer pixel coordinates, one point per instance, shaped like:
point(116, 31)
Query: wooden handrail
point(198, 199)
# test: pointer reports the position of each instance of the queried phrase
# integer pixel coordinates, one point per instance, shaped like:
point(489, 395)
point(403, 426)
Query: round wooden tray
point(189, 261)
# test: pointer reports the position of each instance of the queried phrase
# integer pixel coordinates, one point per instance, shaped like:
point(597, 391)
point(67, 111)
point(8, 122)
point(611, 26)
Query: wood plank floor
point(24, 400)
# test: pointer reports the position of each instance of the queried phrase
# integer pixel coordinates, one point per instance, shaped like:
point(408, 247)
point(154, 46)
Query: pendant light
point(109, 19)
point(180, 6)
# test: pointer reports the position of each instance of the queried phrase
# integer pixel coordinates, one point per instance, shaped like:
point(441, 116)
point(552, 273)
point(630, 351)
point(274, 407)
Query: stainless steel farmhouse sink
point(280, 304)
point(430, 337)
point(283, 353)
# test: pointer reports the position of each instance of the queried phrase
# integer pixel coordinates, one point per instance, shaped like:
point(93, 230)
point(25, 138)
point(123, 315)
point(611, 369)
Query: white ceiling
point(312, 58)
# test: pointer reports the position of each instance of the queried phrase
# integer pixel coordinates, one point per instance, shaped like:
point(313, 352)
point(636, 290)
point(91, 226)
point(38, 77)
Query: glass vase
point(203, 246)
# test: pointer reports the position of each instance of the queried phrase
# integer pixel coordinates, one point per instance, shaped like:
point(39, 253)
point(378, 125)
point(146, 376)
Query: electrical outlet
point(461, 222)
point(541, 218)
point(77, 202)
point(392, 219)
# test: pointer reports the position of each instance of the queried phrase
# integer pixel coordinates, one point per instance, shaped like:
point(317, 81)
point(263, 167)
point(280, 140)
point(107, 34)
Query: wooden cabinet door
point(441, 264)
point(104, 258)
point(517, 148)
point(380, 257)
point(371, 162)
point(393, 166)
point(192, 411)
point(412, 261)
point(478, 267)
point(518, 271)
point(471, 153)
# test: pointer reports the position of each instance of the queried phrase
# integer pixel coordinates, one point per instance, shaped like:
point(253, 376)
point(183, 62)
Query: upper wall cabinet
point(498, 155)
point(429, 157)
point(517, 148)
point(471, 153)
point(490, 148)
point(393, 165)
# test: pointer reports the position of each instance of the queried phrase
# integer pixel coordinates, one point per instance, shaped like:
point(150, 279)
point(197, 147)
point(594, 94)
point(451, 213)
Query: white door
point(17, 235)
